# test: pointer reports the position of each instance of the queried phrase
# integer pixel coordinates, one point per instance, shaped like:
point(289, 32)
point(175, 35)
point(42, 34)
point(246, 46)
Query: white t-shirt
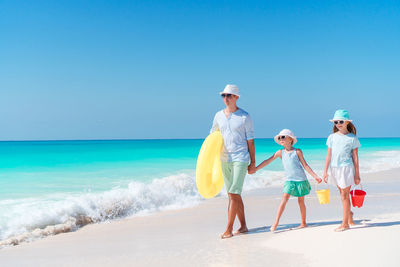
point(235, 130)
point(342, 146)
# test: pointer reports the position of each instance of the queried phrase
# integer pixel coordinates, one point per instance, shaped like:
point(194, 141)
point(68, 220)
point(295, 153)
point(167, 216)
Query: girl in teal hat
point(341, 165)
point(296, 183)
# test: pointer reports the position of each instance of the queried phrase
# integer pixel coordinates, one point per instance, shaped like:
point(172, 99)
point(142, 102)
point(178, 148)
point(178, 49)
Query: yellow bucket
point(324, 196)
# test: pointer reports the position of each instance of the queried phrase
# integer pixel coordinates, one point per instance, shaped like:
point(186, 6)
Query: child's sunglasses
point(338, 122)
point(282, 137)
point(227, 95)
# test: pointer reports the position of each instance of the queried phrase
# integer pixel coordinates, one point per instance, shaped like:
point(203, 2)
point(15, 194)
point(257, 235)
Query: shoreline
point(179, 236)
point(76, 224)
point(59, 192)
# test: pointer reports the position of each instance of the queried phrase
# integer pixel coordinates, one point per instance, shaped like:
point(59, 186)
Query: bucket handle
point(354, 188)
point(316, 186)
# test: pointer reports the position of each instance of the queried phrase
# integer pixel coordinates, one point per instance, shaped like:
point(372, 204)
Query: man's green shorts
point(234, 173)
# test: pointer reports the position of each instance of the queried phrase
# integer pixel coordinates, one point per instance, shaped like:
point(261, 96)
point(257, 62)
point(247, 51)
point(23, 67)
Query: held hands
point(319, 180)
point(252, 168)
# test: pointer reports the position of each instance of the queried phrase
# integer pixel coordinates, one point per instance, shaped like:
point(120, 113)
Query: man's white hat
point(230, 89)
point(286, 132)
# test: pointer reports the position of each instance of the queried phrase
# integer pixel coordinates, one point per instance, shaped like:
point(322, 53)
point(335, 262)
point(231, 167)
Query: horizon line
point(154, 139)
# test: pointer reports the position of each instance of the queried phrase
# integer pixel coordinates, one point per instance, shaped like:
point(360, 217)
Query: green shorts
point(234, 173)
point(297, 189)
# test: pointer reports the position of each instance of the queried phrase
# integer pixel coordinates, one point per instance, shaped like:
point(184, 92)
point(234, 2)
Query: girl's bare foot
point(241, 230)
point(226, 235)
point(342, 228)
point(301, 226)
point(273, 228)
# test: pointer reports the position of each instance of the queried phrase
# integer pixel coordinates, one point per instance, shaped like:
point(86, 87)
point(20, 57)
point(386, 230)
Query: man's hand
point(252, 168)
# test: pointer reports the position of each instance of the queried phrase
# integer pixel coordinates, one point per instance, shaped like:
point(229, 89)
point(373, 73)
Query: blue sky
point(153, 69)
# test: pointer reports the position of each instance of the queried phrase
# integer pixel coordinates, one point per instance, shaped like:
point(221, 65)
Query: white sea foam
point(28, 219)
point(380, 161)
point(263, 179)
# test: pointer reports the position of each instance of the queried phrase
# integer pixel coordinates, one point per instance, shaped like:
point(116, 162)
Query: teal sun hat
point(341, 115)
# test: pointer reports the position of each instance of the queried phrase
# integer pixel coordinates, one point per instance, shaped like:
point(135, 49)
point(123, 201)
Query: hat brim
point(228, 93)
point(293, 137)
point(332, 120)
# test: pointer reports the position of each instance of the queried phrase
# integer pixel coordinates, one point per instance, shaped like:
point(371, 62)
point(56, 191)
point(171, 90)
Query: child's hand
point(357, 179)
point(319, 180)
point(325, 178)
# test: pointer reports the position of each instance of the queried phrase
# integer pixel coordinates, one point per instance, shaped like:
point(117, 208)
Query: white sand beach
point(191, 236)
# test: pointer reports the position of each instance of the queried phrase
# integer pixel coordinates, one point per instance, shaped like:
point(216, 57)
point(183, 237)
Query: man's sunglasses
point(338, 122)
point(282, 137)
point(227, 95)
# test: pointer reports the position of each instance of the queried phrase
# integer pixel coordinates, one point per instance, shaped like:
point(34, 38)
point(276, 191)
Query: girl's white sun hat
point(286, 132)
point(230, 89)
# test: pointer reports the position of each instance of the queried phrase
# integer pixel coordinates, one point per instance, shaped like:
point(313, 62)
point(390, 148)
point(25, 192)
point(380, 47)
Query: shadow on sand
point(360, 224)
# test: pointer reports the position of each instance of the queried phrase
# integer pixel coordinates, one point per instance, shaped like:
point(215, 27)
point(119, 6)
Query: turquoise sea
point(44, 183)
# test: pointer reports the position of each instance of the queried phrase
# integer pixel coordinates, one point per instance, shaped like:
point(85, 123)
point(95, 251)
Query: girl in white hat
point(296, 183)
point(341, 165)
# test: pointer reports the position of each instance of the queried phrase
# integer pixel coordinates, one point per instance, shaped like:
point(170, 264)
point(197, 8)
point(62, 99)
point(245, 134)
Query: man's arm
point(252, 151)
point(248, 123)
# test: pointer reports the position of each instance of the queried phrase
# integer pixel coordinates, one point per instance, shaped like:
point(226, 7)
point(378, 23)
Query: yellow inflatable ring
point(209, 178)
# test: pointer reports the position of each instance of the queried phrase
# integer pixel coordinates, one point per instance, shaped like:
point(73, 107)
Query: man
point(237, 131)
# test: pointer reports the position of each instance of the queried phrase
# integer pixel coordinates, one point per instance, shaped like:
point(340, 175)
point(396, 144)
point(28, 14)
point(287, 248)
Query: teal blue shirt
point(293, 169)
point(342, 148)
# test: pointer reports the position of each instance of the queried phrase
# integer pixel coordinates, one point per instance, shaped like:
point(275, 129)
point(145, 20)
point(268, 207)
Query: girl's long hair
point(350, 127)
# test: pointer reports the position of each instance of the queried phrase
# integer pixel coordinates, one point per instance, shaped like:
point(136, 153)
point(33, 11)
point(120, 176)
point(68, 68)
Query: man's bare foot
point(351, 221)
point(226, 235)
point(241, 230)
point(342, 228)
point(273, 228)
